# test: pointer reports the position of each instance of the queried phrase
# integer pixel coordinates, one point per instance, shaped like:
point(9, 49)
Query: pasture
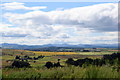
point(39, 71)
point(8, 55)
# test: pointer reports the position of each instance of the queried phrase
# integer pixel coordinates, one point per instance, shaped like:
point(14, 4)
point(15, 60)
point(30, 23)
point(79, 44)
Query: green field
point(50, 56)
point(39, 71)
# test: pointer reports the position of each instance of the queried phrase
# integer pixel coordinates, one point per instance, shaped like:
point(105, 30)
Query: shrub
point(20, 64)
point(49, 65)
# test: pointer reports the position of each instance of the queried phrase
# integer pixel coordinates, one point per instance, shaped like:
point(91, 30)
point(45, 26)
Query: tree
point(49, 65)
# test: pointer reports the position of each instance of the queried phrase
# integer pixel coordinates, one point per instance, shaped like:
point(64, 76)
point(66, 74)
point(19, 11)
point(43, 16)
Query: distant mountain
point(17, 46)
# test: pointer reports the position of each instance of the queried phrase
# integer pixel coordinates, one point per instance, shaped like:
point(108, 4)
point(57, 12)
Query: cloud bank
point(88, 25)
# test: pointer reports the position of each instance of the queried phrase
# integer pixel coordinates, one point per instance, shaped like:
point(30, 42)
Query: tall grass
point(64, 72)
point(0, 73)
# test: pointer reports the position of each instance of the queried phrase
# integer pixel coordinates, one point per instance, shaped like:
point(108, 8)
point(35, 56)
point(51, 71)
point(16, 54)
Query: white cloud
point(3, 25)
point(73, 26)
point(102, 17)
point(16, 5)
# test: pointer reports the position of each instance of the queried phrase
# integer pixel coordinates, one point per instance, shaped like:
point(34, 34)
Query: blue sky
point(38, 23)
point(65, 5)
point(55, 5)
point(61, 0)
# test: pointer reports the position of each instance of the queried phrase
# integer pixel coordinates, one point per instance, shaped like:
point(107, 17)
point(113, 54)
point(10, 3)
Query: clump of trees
point(107, 59)
point(22, 61)
point(51, 65)
point(28, 57)
point(86, 61)
point(112, 56)
point(20, 64)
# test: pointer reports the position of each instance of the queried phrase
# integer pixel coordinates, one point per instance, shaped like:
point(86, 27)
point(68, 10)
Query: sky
point(39, 23)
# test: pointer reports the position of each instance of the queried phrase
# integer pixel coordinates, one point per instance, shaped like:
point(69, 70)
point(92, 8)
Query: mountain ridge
point(18, 46)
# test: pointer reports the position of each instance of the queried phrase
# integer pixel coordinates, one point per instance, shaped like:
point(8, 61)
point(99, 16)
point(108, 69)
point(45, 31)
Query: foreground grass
point(0, 73)
point(64, 72)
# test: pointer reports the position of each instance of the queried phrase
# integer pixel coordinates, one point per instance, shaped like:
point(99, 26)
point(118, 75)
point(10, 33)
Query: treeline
point(26, 58)
point(58, 49)
point(113, 59)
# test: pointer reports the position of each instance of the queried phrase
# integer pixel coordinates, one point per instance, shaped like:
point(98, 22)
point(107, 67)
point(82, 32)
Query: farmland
point(59, 40)
point(38, 70)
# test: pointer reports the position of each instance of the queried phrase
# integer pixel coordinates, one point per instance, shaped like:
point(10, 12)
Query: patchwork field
point(38, 69)
point(8, 55)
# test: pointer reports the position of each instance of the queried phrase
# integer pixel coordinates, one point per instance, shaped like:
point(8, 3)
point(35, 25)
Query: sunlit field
point(52, 53)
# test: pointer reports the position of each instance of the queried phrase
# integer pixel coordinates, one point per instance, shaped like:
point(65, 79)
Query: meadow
point(38, 70)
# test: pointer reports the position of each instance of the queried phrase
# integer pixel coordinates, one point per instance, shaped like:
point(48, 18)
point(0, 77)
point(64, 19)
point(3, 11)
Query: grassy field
point(96, 53)
point(26, 52)
point(66, 72)
point(39, 71)
point(9, 54)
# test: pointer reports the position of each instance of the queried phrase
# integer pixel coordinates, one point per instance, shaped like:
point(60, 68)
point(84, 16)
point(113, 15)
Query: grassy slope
point(65, 72)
